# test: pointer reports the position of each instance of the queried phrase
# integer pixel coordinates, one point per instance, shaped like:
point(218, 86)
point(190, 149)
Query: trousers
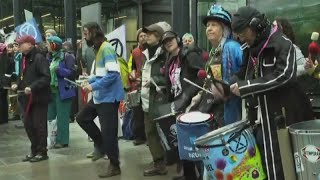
point(105, 140)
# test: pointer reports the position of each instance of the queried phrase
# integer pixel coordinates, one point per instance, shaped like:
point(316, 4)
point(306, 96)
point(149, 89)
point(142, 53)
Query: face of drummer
point(214, 32)
point(171, 45)
point(247, 35)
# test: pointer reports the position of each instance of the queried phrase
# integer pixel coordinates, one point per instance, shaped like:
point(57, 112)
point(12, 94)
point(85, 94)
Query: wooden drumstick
point(72, 82)
point(194, 84)
point(6, 88)
point(158, 89)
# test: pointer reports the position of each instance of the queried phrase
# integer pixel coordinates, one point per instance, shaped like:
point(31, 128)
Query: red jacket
point(137, 63)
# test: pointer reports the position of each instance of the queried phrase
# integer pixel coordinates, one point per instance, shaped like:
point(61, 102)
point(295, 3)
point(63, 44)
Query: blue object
point(30, 27)
point(187, 133)
point(127, 126)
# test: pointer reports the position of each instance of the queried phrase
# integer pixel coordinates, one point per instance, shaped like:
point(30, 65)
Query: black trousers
point(190, 169)
point(3, 106)
point(138, 123)
point(74, 107)
point(105, 140)
point(35, 123)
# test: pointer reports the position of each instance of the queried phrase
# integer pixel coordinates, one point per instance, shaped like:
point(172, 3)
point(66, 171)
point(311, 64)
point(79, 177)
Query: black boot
point(158, 168)
point(112, 170)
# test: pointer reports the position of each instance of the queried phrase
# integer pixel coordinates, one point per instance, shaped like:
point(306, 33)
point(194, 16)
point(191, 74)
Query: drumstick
point(164, 116)
point(154, 83)
point(194, 84)
point(7, 88)
point(72, 82)
point(13, 95)
point(19, 93)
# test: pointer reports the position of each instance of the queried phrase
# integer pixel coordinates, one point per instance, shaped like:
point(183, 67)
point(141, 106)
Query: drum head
point(221, 131)
point(194, 117)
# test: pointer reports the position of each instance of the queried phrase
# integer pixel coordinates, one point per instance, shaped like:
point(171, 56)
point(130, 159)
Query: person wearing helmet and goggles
point(269, 85)
point(225, 59)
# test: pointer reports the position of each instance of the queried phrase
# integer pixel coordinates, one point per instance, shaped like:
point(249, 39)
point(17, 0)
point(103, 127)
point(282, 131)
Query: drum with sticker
point(190, 126)
point(231, 152)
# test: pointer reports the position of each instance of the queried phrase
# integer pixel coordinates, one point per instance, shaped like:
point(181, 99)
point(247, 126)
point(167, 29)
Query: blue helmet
point(216, 12)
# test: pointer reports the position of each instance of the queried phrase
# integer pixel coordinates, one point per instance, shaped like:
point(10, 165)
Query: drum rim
point(219, 132)
point(182, 122)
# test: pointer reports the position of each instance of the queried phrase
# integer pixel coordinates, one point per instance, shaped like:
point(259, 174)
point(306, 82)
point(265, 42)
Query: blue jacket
point(231, 62)
point(106, 84)
point(66, 69)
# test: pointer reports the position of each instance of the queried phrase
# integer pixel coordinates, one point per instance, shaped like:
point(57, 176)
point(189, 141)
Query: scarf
point(57, 57)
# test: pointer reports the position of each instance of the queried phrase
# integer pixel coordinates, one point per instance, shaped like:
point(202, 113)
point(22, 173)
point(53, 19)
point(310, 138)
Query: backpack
point(127, 126)
point(124, 72)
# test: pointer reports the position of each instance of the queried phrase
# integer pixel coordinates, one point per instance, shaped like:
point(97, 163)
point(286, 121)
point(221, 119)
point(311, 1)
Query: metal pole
point(18, 12)
point(180, 16)
point(70, 24)
point(193, 18)
point(140, 15)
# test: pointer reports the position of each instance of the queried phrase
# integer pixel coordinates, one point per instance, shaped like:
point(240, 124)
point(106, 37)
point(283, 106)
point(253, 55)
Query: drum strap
point(224, 143)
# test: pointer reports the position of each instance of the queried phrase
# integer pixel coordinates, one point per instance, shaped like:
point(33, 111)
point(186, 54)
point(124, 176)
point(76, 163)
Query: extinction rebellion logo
point(311, 153)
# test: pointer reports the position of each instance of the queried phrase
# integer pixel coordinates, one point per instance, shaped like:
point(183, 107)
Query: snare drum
point(134, 98)
point(190, 126)
point(231, 152)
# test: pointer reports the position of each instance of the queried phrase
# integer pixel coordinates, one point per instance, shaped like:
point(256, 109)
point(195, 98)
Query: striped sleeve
point(284, 71)
point(110, 60)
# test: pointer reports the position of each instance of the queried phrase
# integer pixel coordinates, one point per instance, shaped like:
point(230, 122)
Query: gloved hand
point(217, 91)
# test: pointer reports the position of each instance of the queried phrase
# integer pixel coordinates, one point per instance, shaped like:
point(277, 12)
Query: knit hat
point(55, 39)
point(51, 31)
point(138, 33)
point(187, 36)
point(243, 17)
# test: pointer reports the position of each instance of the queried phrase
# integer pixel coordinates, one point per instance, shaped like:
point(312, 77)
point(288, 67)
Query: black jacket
point(271, 88)
point(6, 70)
point(36, 76)
point(276, 83)
point(191, 63)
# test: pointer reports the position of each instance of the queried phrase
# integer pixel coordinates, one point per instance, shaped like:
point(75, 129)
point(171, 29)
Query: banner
point(117, 39)
point(30, 27)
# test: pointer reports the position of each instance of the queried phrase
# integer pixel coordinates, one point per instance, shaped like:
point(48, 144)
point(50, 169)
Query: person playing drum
point(270, 85)
point(179, 65)
point(225, 59)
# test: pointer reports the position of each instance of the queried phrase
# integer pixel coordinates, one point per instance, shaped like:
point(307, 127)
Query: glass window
point(302, 14)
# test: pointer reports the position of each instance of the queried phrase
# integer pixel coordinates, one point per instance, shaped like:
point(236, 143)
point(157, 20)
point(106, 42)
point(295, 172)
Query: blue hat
point(217, 12)
point(55, 39)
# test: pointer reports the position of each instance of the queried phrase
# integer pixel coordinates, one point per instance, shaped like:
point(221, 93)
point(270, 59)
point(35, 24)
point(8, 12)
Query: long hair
point(286, 28)
point(93, 28)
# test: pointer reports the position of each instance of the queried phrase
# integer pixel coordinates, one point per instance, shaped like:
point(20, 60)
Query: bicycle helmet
point(217, 12)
